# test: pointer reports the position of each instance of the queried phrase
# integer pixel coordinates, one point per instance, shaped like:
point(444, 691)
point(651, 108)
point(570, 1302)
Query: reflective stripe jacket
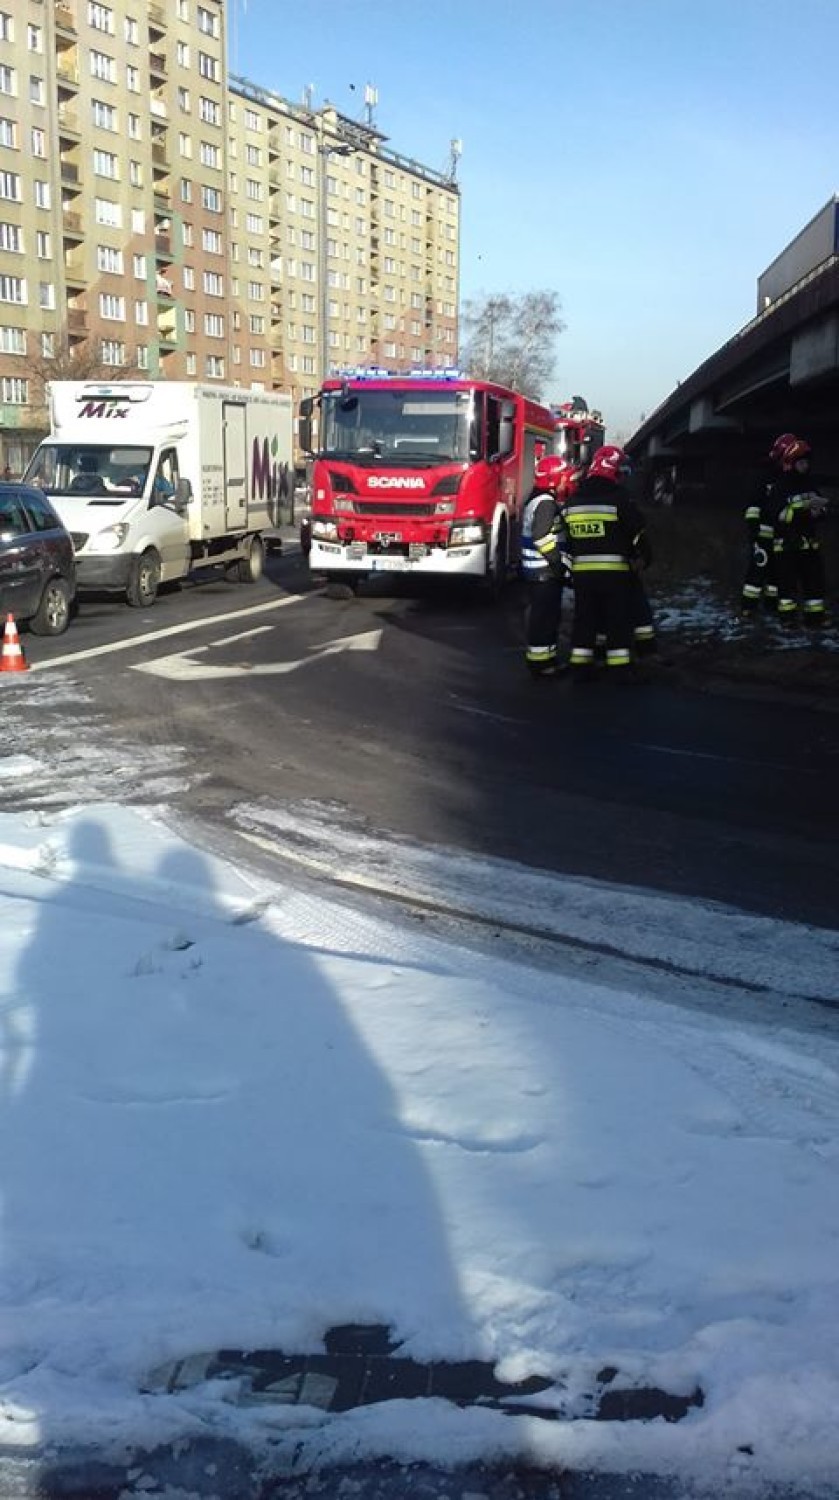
point(543, 539)
point(796, 522)
point(759, 516)
point(606, 531)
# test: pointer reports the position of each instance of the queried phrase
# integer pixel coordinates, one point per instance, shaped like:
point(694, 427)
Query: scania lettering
point(424, 473)
point(155, 479)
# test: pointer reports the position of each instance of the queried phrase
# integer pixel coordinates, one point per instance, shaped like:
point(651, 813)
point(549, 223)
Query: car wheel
point(53, 613)
point(143, 580)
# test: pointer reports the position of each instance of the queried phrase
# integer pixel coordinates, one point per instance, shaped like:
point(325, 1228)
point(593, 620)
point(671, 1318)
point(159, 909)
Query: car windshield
point(88, 469)
point(411, 427)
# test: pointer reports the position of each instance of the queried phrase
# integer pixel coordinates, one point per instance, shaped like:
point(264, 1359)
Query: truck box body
point(117, 457)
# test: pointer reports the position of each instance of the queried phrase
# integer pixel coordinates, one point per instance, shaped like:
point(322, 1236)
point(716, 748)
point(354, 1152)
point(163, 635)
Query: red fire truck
point(579, 432)
point(424, 473)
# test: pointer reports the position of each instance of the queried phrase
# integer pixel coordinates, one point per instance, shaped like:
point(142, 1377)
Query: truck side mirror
point(183, 493)
point(506, 429)
point(304, 426)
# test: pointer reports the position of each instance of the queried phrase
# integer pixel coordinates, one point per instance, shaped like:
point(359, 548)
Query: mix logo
point(270, 479)
point(109, 406)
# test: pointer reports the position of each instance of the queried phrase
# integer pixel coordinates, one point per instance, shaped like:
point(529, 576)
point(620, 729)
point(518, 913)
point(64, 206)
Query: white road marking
point(243, 635)
point(731, 760)
point(159, 635)
point(181, 668)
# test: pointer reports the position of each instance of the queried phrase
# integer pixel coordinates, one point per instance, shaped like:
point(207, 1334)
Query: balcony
point(65, 22)
point(157, 106)
point(163, 248)
point(157, 64)
point(70, 176)
point(68, 124)
point(74, 273)
point(167, 332)
point(157, 20)
point(67, 73)
point(72, 225)
point(164, 288)
point(77, 322)
point(162, 199)
point(160, 157)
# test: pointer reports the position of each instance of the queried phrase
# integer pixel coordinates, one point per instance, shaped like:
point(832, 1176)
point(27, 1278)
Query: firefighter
point(798, 509)
point(760, 585)
point(544, 563)
point(607, 541)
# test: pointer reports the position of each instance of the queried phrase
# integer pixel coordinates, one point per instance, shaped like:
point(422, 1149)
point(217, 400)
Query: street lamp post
point(325, 151)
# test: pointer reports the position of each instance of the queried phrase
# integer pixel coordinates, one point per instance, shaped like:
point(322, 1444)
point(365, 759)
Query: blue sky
point(646, 159)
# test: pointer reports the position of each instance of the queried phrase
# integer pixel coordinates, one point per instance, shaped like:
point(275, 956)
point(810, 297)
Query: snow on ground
point(695, 613)
point(237, 1113)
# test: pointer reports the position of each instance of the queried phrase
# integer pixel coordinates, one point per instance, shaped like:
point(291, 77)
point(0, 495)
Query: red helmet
point(610, 463)
point(787, 449)
point(553, 473)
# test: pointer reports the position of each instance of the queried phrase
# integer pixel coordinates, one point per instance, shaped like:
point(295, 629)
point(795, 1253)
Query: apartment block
point(157, 216)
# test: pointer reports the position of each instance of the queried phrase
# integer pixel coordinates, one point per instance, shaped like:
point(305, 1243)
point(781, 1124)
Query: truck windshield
point(411, 427)
point(89, 469)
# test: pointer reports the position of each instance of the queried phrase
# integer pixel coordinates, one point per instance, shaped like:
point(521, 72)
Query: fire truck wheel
point(495, 581)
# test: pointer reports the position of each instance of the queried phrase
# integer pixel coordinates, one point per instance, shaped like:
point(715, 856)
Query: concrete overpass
point(780, 372)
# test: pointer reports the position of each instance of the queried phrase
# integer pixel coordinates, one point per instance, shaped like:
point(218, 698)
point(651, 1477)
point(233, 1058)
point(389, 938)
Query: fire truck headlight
point(111, 539)
point(325, 529)
point(466, 535)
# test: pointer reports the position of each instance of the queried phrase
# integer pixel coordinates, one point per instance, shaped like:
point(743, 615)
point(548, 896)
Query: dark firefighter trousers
point(602, 606)
point(760, 584)
point(544, 603)
point(801, 573)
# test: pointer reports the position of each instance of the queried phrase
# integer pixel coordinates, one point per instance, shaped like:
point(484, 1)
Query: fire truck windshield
point(416, 427)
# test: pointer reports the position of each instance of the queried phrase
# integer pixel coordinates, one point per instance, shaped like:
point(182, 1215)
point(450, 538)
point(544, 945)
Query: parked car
point(37, 563)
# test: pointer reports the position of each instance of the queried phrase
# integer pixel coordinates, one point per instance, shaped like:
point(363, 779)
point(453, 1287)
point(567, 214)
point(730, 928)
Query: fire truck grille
point(391, 508)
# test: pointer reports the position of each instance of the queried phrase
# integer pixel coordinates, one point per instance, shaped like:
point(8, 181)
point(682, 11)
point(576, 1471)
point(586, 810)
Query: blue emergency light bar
point(370, 372)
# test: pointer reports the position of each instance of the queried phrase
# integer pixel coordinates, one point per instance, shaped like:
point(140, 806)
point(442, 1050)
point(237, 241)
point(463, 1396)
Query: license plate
point(389, 564)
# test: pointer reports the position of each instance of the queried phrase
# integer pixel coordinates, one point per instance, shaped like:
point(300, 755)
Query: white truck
point(155, 479)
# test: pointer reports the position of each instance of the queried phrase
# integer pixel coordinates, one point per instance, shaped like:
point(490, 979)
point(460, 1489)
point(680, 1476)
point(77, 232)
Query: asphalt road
point(414, 711)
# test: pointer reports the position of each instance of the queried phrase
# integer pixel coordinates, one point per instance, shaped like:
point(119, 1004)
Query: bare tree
point(82, 360)
point(512, 340)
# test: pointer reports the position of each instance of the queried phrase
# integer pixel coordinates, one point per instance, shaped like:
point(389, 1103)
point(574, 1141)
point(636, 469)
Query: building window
point(102, 66)
point(36, 90)
point(253, 156)
point(46, 294)
point(207, 22)
point(138, 220)
point(14, 391)
point(104, 115)
point(106, 164)
point(113, 352)
point(106, 212)
point(252, 120)
point(214, 325)
point(12, 340)
point(11, 238)
point(13, 289)
point(254, 223)
point(8, 133)
point(256, 291)
point(258, 359)
point(140, 271)
point(135, 127)
point(211, 199)
point(209, 67)
point(112, 307)
point(141, 313)
point(100, 17)
point(213, 284)
point(187, 235)
point(212, 241)
point(253, 189)
point(183, 100)
point(210, 154)
point(132, 79)
point(214, 367)
point(189, 279)
point(109, 259)
point(182, 54)
point(209, 111)
point(142, 356)
point(135, 173)
point(256, 323)
point(8, 82)
point(191, 364)
point(189, 320)
point(132, 32)
point(34, 39)
point(7, 30)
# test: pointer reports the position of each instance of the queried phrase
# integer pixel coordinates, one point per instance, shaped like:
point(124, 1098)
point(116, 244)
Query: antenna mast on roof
point(371, 99)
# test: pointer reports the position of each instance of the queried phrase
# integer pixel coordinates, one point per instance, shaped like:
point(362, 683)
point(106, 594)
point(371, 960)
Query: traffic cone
point(12, 658)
